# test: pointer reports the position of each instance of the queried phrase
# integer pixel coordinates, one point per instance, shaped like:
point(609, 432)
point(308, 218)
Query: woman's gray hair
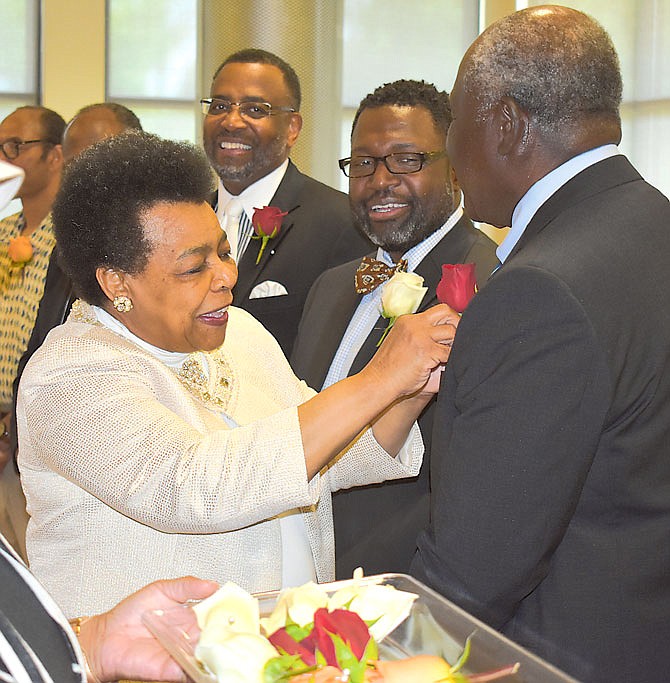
point(558, 64)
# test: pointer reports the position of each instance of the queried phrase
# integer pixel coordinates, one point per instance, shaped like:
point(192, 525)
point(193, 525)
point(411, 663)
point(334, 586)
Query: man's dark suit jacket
point(54, 308)
point(316, 235)
point(376, 526)
point(550, 510)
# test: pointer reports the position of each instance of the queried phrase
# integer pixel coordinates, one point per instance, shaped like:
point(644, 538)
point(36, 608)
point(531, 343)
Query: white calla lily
point(299, 604)
point(382, 604)
point(238, 658)
point(232, 608)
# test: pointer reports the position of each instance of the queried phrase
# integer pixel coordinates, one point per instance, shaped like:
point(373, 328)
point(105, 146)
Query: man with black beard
point(252, 120)
point(405, 197)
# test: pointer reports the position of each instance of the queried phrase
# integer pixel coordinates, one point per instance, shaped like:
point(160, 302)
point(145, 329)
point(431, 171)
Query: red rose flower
point(267, 224)
point(343, 623)
point(339, 638)
point(267, 221)
point(283, 641)
point(457, 286)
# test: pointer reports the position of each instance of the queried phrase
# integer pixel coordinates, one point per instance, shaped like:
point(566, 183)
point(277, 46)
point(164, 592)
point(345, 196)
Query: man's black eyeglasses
point(398, 163)
point(12, 148)
point(213, 106)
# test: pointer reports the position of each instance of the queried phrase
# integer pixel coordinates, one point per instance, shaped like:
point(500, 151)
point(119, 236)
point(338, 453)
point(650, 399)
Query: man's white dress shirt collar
point(257, 195)
point(544, 188)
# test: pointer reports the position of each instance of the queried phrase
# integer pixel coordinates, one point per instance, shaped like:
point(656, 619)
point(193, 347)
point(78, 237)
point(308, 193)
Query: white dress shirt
point(256, 196)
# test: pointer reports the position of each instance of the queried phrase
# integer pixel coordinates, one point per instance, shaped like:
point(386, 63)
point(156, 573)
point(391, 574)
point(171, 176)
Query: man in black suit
point(550, 513)
point(404, 196)
point(252, 121)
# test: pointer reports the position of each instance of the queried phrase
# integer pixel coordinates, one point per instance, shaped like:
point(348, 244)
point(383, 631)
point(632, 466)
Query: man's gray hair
point(558, 64)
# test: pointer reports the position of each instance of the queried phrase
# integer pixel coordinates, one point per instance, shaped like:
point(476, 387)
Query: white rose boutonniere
point(401, 295)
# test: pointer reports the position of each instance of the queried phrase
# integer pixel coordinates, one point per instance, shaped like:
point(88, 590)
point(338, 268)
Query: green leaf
point(283, 667)
point(371, 651)
point(298, 633)
point(460, 663)
point(346, 659)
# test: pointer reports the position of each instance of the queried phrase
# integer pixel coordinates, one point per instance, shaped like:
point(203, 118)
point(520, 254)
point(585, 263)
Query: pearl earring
point(122, 304)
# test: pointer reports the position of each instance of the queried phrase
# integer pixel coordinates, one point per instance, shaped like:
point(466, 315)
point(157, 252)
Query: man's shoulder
point(336, 278)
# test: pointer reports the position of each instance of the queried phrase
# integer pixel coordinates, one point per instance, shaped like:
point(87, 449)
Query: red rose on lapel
point(457, 286)
point(267, 221)
point(267, 224)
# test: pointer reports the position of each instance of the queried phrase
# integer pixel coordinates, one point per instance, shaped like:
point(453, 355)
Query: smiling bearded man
point(252, 121)
point(405, 197)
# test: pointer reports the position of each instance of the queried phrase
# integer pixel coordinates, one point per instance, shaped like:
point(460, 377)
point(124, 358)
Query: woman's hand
point(416, 346)
point(118, 645)
point(389, 393)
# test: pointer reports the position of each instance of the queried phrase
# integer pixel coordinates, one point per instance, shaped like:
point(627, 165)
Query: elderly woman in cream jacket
point(149, 448)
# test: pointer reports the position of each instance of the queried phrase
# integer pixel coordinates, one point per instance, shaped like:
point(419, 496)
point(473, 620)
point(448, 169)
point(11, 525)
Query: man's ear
point(454, 185)
point(112, 282)
point(56, 157)
point(512, 125)
point(294, 128)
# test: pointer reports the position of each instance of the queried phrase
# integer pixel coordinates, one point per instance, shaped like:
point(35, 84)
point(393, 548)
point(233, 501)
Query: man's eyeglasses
point(12, 148)
point(398, 163)
point(213, 106)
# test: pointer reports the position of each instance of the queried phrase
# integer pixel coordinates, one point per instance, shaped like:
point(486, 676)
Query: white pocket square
point(266, 289)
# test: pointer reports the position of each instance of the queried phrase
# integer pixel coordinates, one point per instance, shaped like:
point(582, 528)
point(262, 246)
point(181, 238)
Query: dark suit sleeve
point(310, 338)
point(517, 423)
point(53, 309)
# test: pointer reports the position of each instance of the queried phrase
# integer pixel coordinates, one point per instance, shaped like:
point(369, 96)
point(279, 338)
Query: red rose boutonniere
point(20, 250)
point(267, 224)
point(457, 286)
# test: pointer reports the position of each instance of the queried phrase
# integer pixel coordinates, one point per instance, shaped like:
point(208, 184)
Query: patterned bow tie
point(372, 273)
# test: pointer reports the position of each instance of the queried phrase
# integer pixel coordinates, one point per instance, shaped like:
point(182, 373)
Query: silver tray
point(434, 626)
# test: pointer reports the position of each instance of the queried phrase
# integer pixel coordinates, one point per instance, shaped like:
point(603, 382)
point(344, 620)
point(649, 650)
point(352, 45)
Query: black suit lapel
point(591, 181)
point(285, 199)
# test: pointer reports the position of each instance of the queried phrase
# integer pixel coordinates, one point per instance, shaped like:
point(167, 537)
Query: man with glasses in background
point(252, 121)
point(91, 124)
point(405, 197)
point(30, 137)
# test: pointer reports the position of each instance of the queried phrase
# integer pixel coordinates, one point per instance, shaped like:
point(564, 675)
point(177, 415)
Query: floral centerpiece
point(316, 637)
